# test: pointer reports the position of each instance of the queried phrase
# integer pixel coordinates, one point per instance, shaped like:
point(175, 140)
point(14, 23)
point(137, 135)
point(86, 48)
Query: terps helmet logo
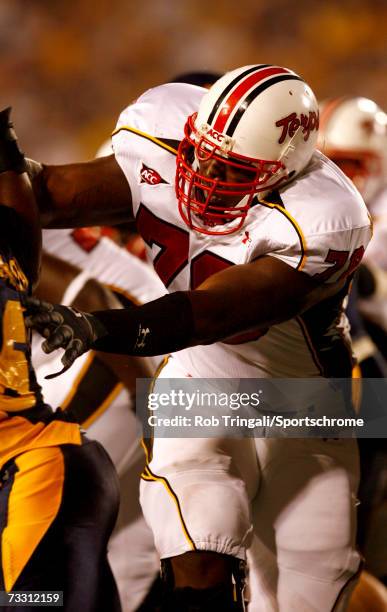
point(150, 176)
point(292, 122)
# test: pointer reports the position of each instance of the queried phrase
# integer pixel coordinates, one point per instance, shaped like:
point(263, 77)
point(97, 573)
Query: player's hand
point(63, 327)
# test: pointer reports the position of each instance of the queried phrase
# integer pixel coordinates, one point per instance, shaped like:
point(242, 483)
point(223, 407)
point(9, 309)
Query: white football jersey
point(318, 223)
point(104, 260)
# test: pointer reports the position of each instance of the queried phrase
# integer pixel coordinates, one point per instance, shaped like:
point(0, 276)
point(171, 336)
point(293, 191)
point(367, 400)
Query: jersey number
point(339, 259)
point(173, 257)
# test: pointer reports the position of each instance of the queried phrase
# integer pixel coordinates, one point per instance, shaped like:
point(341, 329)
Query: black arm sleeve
point(159, 327)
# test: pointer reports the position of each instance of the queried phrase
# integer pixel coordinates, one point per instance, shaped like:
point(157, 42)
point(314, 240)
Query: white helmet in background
point(353, 133)
point(261, 120)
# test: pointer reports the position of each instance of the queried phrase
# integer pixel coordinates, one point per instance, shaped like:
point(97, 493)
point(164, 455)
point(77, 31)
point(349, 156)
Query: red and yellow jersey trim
point(296, 226)
point(153, 139)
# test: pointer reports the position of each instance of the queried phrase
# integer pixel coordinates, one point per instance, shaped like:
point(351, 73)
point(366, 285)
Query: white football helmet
point(261, 120)
point(353, 133)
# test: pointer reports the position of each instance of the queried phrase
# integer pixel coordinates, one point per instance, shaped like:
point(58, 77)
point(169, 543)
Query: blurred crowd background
point(69, 66)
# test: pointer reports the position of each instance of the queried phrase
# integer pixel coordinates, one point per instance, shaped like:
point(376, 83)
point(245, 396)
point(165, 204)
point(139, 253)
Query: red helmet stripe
point(236, 96)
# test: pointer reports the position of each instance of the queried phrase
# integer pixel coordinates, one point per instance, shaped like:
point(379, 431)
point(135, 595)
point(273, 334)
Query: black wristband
point(11, 158)
point(159, 327)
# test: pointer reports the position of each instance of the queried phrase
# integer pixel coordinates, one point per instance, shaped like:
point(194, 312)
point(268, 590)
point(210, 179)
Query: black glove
point(63, 327)
point(11, 158)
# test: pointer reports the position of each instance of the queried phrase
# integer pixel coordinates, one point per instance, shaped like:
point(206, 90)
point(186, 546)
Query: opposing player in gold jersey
point(58, 491)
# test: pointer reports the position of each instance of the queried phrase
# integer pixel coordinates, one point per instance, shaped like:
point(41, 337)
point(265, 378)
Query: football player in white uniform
point(353, 132)
point(59, 493)
point(256, 236)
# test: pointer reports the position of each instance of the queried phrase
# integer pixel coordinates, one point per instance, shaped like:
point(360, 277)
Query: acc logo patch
point(150, 176)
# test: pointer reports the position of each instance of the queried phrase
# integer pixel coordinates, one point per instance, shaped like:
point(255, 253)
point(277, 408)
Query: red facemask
point(204, 202)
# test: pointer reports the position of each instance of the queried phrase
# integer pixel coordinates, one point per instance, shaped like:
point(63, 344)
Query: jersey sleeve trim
point(371, 223)
point(158, 141)
point(297, 228)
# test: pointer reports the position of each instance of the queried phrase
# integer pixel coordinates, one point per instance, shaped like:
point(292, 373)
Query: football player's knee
point(329, 565)
point(317, 536)
point(219, 502)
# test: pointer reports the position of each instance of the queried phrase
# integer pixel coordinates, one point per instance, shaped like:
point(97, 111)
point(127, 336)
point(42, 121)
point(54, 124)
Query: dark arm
point(254, 295)
point(20, 225)
point(89, 193)
point(236, 300)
